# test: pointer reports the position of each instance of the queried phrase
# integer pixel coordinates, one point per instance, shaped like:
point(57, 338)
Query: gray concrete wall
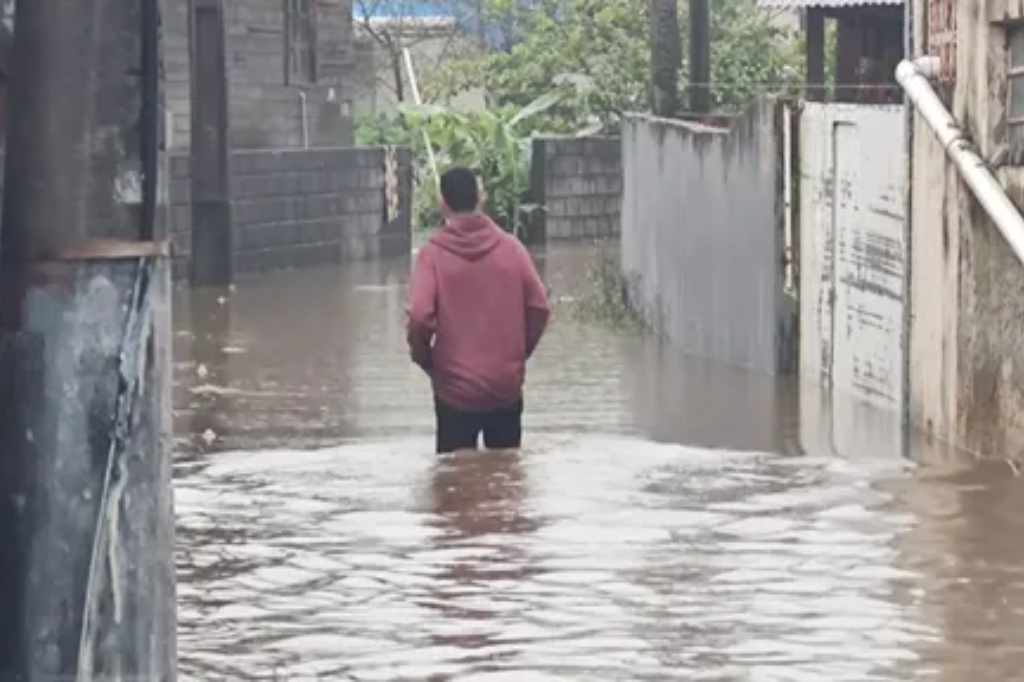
point(579, 180)
point(265, 108)
point(702, 236)
point(966, 373)
point(299, 208)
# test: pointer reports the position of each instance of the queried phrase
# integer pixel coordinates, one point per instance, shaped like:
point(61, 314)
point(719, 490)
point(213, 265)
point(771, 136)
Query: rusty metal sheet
point(804, 4)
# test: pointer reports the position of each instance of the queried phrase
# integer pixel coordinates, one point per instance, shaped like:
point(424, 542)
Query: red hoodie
point(477, 310)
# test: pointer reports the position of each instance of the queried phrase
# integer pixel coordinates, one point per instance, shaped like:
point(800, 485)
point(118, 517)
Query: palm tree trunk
point(700, 56)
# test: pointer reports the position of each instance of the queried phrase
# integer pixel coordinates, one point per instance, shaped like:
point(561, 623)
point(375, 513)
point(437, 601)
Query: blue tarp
point(393, 9)
point(464, 13)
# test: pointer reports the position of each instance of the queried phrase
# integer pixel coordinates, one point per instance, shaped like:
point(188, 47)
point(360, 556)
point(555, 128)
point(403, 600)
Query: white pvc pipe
point(787, 194)
point(414, 86)
point(305, 119)
point(913, 78)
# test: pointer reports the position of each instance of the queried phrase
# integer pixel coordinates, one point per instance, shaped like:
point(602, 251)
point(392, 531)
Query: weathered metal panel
point(853, 249)
point(815, 225)
point(846, 196)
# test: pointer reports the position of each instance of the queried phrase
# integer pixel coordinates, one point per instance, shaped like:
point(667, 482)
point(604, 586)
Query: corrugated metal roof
point(801, 4)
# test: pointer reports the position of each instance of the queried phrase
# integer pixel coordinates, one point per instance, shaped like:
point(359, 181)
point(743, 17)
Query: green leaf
point(536, 107)
point(594, 128)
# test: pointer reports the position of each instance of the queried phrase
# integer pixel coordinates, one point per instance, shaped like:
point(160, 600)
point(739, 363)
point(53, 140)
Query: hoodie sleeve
point(422, 311)
point(536, 300)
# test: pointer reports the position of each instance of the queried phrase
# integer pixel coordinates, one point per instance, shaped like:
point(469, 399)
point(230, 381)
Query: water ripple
point(790, 538)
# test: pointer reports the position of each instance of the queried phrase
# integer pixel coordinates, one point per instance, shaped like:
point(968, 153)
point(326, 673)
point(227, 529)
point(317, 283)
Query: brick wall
point(265, 110)
point(299, 208)
point(579, 180)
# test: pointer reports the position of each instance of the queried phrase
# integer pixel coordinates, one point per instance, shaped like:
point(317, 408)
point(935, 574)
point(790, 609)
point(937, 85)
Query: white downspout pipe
point(304, 112)
point(414, 86)
point(913, 78)
point(787, 196)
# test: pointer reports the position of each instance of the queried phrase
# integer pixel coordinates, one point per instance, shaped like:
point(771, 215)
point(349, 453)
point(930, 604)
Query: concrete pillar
point(700, 56)
point(212, 257)
point(86, 513)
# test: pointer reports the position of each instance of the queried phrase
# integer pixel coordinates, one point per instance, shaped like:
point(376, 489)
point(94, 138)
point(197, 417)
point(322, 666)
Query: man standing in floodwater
point(477, 310)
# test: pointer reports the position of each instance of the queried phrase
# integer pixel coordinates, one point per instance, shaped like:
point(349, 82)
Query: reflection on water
point(666, 519)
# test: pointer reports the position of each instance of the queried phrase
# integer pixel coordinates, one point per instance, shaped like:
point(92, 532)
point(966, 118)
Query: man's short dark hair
point(460, 190)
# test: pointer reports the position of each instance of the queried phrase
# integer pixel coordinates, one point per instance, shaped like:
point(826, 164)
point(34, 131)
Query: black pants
point(460, 429)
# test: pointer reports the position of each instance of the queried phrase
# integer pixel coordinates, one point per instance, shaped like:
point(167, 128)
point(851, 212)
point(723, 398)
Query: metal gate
point(853, 255)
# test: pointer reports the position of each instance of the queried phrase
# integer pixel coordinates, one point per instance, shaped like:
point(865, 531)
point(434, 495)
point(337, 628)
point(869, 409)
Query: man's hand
point(423, 356)
point(422, 311)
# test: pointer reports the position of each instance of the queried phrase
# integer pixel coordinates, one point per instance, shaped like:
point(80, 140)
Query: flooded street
point(665, 520)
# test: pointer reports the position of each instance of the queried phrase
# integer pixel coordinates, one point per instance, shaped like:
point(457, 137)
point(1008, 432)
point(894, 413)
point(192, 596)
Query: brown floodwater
point(666, 519)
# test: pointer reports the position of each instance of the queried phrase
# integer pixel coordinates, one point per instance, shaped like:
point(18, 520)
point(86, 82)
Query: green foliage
point(495, 144)
point(831, 39)
point(592, 52)
point(578, 66)
point(380, 131)
point(596, 54)
point(750, 56)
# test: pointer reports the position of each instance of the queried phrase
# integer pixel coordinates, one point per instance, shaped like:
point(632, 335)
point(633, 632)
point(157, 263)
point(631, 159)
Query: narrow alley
point(217, 461)
point(667, 519)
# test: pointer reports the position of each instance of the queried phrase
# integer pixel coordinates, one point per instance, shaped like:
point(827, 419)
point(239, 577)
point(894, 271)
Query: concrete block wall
point(265, 109)
point(579, 181)
point(300, 208)
point(177, 77)
point(703, 239)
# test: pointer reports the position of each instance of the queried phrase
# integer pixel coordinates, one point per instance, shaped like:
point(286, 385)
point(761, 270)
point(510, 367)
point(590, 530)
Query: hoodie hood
point(469, 236)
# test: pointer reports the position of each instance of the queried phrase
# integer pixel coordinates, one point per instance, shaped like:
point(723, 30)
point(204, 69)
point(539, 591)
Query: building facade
point(382, 81)
point(289, 67)
point(869, 43)
point(966, 328)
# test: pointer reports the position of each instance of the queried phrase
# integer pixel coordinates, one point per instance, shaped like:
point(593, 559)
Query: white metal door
point(869, 261)
point(853, 266)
